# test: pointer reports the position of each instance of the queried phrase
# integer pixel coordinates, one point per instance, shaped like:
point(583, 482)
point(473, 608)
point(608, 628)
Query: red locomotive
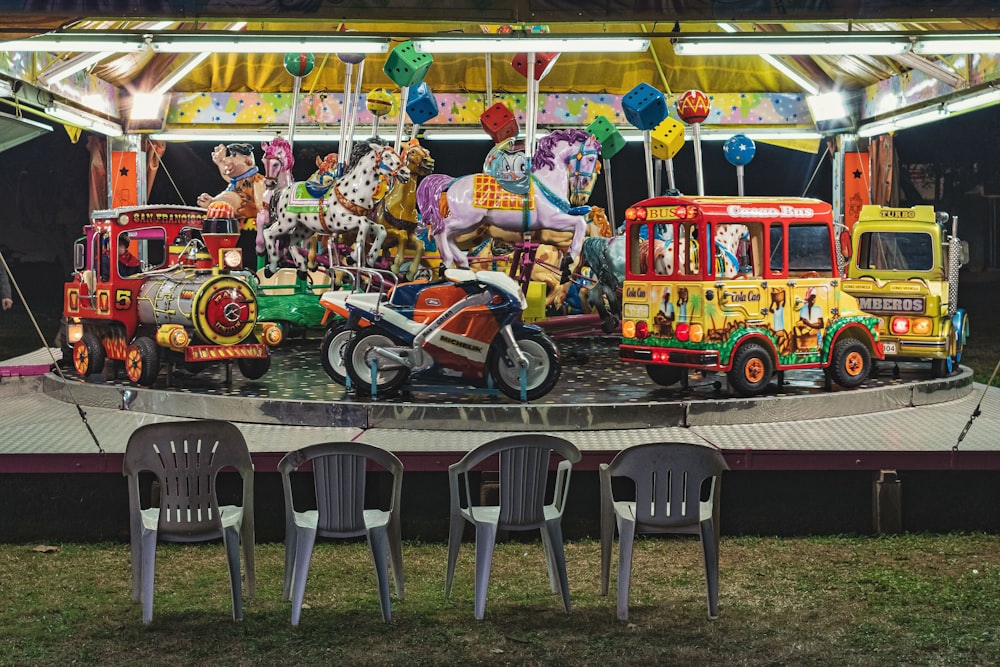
point(162, 284)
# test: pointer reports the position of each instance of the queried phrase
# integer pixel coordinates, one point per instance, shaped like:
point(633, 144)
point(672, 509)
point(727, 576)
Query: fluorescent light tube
point(251, 134)
point(786, 44)
point(71, 116)
point(522, 44)
point(265, 43)
point(903, 122)
point(77, 43)
point(59, 71)
point(957, 44)
point(980, 99)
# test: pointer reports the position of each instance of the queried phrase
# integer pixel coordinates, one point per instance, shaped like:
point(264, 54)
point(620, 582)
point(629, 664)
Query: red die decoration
point(499, 122)
point(693, 106)
point(543, 63)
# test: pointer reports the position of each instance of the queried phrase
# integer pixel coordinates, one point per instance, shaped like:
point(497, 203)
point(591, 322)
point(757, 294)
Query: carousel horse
point(454, 207)
point(278, 162)
point(397, 210)
point(345, 208)
point(606, 259)
point(547, 259)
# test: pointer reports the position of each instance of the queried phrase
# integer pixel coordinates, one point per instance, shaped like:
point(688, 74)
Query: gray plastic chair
point(186, 457)
point(339, 481)
point(524, 467)
point(668, 478)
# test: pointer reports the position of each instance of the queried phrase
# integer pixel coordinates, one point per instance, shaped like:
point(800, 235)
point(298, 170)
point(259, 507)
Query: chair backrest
point(524, 469)
point(339, 481)
point(668, 479)
point(186, 457)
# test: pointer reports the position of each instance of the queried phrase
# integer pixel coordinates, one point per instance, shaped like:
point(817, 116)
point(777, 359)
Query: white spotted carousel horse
point(455, 207)
point(344, 208)
point(278, 162)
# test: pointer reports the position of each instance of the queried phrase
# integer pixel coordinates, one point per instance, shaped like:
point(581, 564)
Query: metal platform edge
point(512, 416)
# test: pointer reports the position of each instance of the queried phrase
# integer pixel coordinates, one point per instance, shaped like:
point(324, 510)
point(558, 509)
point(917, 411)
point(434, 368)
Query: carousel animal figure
point(547, 258)
point(606, 259)
point(566, 161)
point(346, 207)
point(245, 192)
point(278, 162)
point(397, 210)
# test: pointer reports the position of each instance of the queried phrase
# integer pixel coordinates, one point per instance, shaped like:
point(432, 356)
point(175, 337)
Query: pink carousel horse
point(566, 161)
point(344, 208)
point(278, 163)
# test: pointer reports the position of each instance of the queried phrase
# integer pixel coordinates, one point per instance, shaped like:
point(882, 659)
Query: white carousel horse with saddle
point(455, 207)
point(345, 207)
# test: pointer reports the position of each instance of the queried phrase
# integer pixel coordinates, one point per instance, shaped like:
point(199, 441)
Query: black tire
point(665, 375)
point(253, 369)
point(142, 361)
point(331, 352)
point(752, 370)
point(850, 363)
point(356, 358)
point(543, 365)
point(88, 356)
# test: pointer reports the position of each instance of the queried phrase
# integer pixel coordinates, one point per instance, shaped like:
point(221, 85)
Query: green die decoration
point(611, 139)
point(406, 66)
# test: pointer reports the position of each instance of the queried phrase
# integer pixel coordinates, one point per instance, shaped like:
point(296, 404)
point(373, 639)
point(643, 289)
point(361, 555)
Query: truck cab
point(903, 268)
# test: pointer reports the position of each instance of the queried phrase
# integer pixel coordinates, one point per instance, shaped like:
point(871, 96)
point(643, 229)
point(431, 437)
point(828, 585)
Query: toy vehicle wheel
point(665, 375)
point(941, 368)
point(88, 356)
point(543, 366)
point(331, 352)
point(358, 355)
point(253, 369)
point(752, 370)
point(850, 363)
point(142, 361)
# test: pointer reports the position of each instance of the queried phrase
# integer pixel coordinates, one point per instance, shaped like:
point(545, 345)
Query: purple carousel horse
point(565, 161)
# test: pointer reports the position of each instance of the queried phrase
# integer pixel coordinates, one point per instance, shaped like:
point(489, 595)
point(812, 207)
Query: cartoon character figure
point(777, 308)
point(682, 301)
point(664, 319)
point(809, 327)
point(245, 192)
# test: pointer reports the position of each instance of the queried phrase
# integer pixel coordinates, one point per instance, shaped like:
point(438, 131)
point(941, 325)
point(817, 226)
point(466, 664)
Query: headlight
point(232, 258)
point(74, 332)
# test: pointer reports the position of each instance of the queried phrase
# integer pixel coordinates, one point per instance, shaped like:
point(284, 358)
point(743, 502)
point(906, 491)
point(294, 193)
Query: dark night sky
point(44, 182)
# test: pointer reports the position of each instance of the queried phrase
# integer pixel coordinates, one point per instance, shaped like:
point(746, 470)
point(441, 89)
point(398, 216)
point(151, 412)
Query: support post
point(887, 503)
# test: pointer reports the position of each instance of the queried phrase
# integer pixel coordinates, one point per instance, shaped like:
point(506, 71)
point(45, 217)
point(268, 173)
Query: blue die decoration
point(421, 105)
point(644, 106)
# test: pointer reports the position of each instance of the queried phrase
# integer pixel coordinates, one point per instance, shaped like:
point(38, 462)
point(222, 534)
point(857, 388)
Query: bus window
point(809, 248)
point(636, 246)
point(777, 249)
point(737, 249)
point(896, 251)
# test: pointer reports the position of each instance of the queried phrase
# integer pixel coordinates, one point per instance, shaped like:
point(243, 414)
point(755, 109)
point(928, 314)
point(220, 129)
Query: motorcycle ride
point(465, 327)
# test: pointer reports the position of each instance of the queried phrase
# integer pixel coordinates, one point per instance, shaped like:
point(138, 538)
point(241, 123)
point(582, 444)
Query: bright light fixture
point(943, 44)
point(76, 43)
point(903, 122)
point(242, 42)
point(59, 71)
point(804, 82)
point(828, 106)
point(146, 106)
point(248, 134)
point(981, 99)
point(790, 44)
point(531, 43)
point(176, 75)
point(78, 118)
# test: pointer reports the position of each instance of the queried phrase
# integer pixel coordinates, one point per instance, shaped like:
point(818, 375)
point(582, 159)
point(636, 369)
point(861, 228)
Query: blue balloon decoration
point(739, 150)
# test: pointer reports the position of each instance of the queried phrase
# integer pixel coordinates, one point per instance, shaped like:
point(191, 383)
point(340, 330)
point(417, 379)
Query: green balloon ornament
point(299, 64)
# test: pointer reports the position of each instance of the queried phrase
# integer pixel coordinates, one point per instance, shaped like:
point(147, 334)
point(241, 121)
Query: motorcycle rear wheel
point(357, 353)
point(543, 367)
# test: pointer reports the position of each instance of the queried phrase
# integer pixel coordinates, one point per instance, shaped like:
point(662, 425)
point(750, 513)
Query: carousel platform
point(899, 419)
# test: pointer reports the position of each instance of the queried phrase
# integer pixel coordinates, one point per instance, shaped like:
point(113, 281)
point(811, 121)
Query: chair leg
point(396, 557)
point(607, 538)
point(626, 536)
point(135, 544)
point(550, 563)
point(231, 540)
point(710, 556)
point(306, 538)
point(455, 531)
point(290, 542)
point(486, 537)
point(554, 530)
point(247, 541)
point(378, 545)
point(147, 567)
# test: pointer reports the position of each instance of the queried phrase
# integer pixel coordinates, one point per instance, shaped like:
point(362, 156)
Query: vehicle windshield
point(896, 251)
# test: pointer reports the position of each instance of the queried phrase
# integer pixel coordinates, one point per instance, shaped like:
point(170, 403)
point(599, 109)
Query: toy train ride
point(158, 285)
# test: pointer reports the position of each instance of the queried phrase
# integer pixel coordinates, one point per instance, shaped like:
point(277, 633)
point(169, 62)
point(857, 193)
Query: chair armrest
point(562, 484)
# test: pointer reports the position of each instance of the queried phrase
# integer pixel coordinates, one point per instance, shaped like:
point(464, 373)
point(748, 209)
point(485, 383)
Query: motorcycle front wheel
point(358, 353)
point(331, 352)
point(543, 366)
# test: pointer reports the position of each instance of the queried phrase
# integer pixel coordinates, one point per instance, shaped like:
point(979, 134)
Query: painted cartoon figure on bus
point(809, 328)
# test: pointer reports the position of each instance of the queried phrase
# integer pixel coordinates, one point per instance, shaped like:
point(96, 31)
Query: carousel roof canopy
point(887, 60)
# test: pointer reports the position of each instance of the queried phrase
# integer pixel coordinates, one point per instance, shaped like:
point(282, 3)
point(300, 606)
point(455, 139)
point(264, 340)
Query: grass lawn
point(903, 600)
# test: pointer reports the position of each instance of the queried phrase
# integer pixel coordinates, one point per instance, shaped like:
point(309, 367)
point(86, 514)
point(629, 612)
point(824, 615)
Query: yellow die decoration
point(667, 138)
